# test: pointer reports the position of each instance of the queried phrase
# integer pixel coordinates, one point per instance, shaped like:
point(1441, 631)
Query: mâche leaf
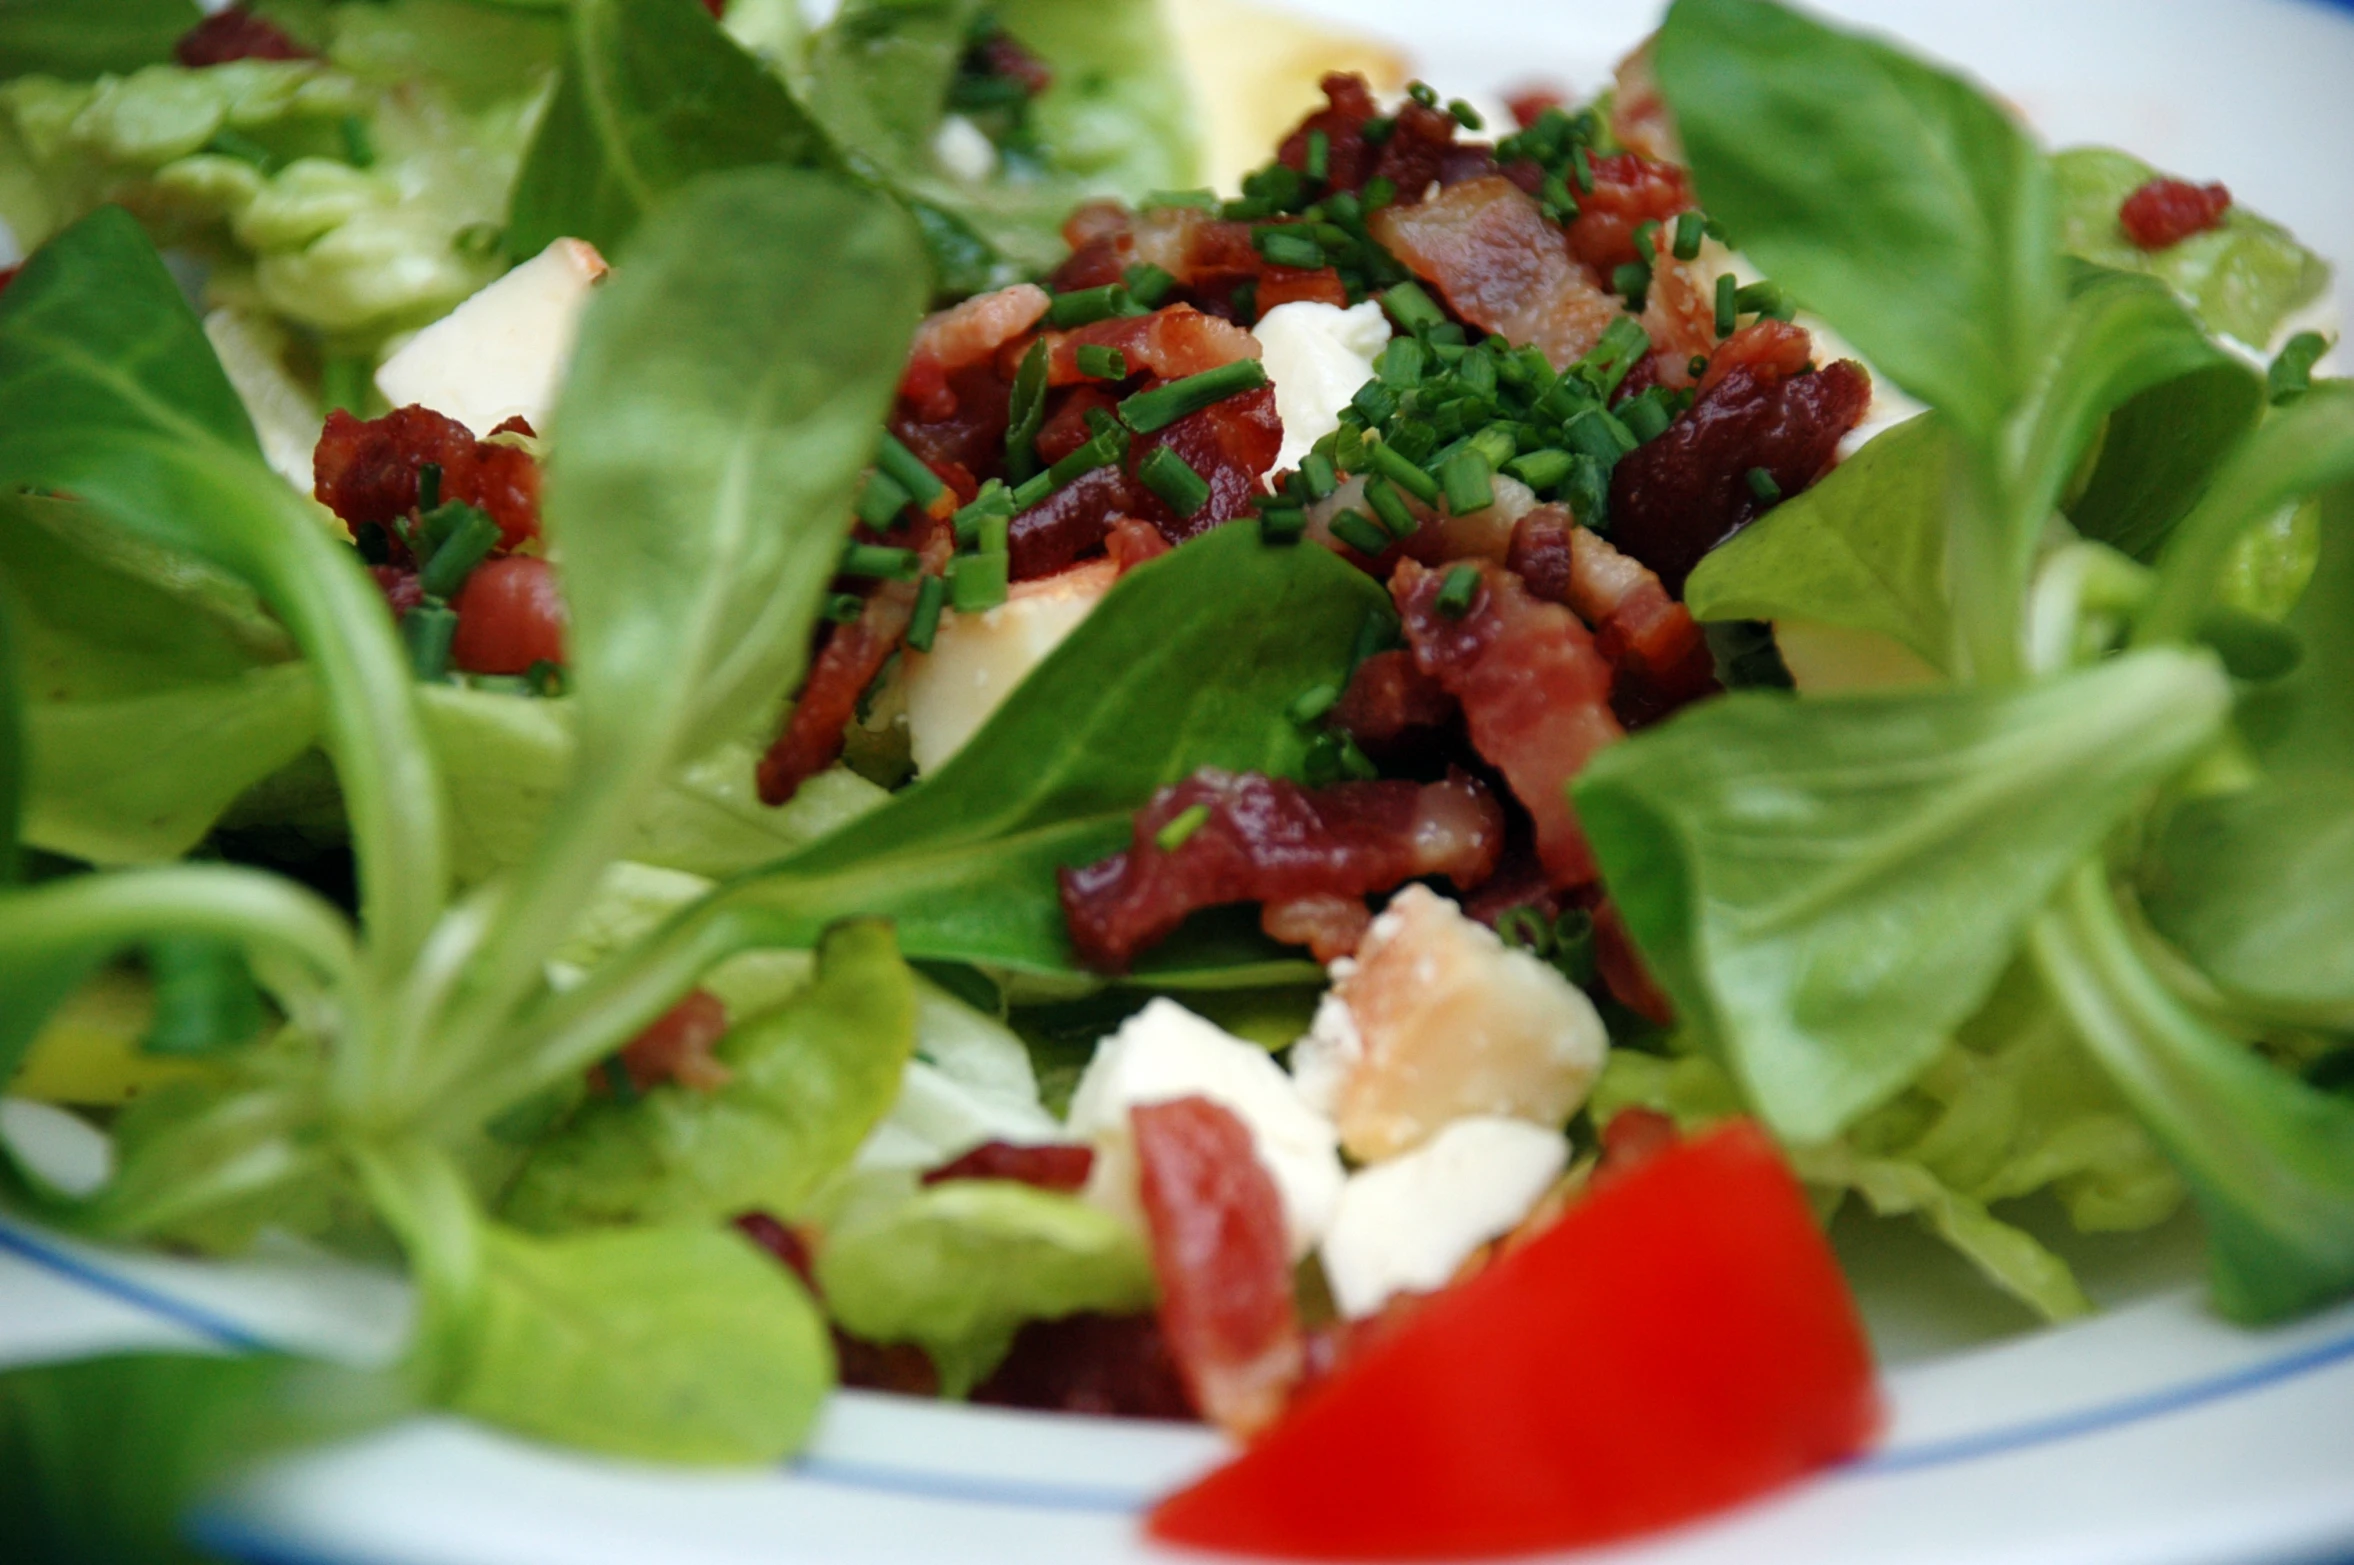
point(1827, 889)
point(79, 39)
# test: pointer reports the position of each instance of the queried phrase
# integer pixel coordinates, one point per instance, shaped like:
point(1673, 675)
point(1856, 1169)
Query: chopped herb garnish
point(1541, 470)
point(1647, 242)
point(908, 471)
point(426, 632)
point(1393, 464)
point(1389, 508)
point(875, 562)
point(1526, 929)
point(428, 486)
point(1171, 477)
point(1027, 412)
point(1412, 308)
point(881, 499)
point(1581, 168)
point(1361, 533)
point(1468, 479)
point(1089, 305)
point(1317, 475)
point(1312, 703)
point(977, 582)
point(1459, 591)
point(1764, 299)
point(547, 679)
point(1696, 366)
point(1181, 828)
point(1281, 525)
point(359, 146)
point(1632, 282)
point(994, 500)
point(1288, 247)
point(1728, 305)
point(1354, 764)
point(1762, 485)
point(466, 542)
point(1101, 363)
point(1690, 228)
point(1148, 284)
point(1148, 412)
point(931, 594)
point(1319, 156)
point(845, 608)
point(1465, 115)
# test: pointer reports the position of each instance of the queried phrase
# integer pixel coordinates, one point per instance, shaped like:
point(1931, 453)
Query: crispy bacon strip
point(1262, 839)
point(1048, 1168)
point(1171, 343)
point(1628, 192)
point(854, 654)
point(1388, 698)
point(1222, 1259)
point(1109, 1366)
point(1502, 267)
point(366, 471)
point(1646, 636)
point(236, 34)
point(1535, 694)
point(964, 335)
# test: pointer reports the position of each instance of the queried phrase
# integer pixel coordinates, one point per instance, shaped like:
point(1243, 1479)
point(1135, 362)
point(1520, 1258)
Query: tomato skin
point(510, 616)
point(1680, 1341)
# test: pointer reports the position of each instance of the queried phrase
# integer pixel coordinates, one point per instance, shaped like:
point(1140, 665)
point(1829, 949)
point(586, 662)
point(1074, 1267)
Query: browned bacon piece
point(676, 1048)
point(1110, 1366)
point(1171, 343)
point(1535, 694)
point(1773, 350)
point(1502, 267)
point(2165, 212)
point(1419, 149)
point(1661, 659)
point(1628, 192)
point(1622, 971)
point(964, 335)
point(967, 444)
point(1679, 496)
point(1048, 1168)
point(236, 34)
point(853, 655)
point(1131, 543)
point(1266, 840)
point(366, 471)
point(1331, 927)
point(1220, 1254)
point(1389, 698)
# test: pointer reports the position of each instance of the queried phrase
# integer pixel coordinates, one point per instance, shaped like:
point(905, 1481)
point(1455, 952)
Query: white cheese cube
point(1437, 1019)
point(1165, 1052)
point(1318, 356)
point(977, 659)
point(502, 354)
point(1408, 1225)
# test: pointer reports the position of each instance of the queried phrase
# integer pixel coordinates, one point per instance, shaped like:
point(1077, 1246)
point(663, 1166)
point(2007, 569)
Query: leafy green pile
point(2129, 793)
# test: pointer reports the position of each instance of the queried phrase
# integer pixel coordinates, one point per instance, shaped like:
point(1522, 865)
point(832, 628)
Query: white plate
point(2151, 1434)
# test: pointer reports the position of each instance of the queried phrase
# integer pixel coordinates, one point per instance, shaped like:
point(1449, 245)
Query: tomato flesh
point(1681, 1340)
point(510, 616)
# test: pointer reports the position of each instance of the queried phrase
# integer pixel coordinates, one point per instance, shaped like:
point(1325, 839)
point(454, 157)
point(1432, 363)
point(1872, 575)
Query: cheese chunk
point(1318, 356)
point(1408, 1225)
point(977, 659)
point(1437, 1019)
point(1165, 1052)
point(502, 354)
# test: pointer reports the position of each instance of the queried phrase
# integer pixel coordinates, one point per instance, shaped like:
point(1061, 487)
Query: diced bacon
point(1003, 56)
point(1284, 285)
point(366, 471)
point(1528, 104)
point(1628, 192)
point(400, 587)
point(967, 444)
point(1633, 1137)
point(966, 334)
point(1067, 428)
point(510, 616)
point(2165, 212)
point(1535, 694)
point(1520, 881)
point(1649, 638)
point(900, 1367)
point(676, 1048)
point(1415, 153)
point(1222, 1258)
point(1171, 343)
point(1774, 349)
point(1266, 840)
point(1107, 1366)
point(1675, 498)
point(854, 654)
point(1050, 537)
point(1330, 927)
point(236, 34)
point(787, 1244)
point(1131, 543)
point(1048, 1168)
point(1388, 698)
point(1502, 267)
point(1622, 971)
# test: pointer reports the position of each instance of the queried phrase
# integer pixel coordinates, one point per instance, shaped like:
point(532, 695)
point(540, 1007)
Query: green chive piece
point(1469, 480)
point(1101, 363)
point(617, 1080)
point(428, 487)
point(1622, 347)
point(993, 500)
point(1030, 492)
point(1459, 591)
point(1148, 284)
point(1526, 929)
point(881, 500)
point(1497, 443)
point(1318, 475)
point(1107, 447)
point(1286, 247)
point(1313, 702)
point(1728, 305)
point(1354, 763)
point(1378, 632)
point(1027, 413)
point(1393, 464)
point(908, 471)
point(1541, 470)
point(468, 543)
point(1412, 308)
point(1377, 130)
point(1282, 525)
point(1090, 305)
point(1573, 946)
point(1319, 159)
point(1181, 828)
point(1647, 242)
point(1380, 190)
point(238, 145)
point(359, 147)
point(1762, 485)
point(1389, 508)
point(1171, 477)
point(1465, 115)
point(1690, 227)
point(931, 595)
point(1320, 766)
point(2291, 374)
point(1632, 282)
point(845, 608)
point(1361, 533)
point(1400, 363)
point(995, 532)
point(426, 631)
point(976, 582)
point(1581, 169)
point(1696, 366)
point(876, 562)
point(1646, 417)
point(1763, 299)
point(1149, 412)
point(547, 679)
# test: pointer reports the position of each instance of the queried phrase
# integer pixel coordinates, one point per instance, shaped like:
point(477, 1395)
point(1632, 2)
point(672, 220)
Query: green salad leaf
point(79, 39)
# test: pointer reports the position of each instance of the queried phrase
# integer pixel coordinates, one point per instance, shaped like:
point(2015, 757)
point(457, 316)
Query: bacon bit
point(1639, 115)
point(2165, 212)
point(1628, 192)
point(1171, 343)
point(1222, 1259)
point(1520, 881)
point(1283, 285)
point(1502, 267)
point(676, 1048)
point(1529, 104)
point(1388, 698)
point(1269, 840)
point(967, 334)
point(786, 1244)
point(1066, 429)
point(1231, 444)
point(1002, 55)
point(1109, 1366)
point(1047, 1168)
point(1679, 496)
point(400, 587)
point(1660, 656)
point(1680, 319)
point(1775, 349)
point(854, 654)
point(510, 615)
point(1633, 1137)
point(968, 444)
point(7, 276)
point(1622, 971)
point(1330, 927)
point(235, 34)
point(1419, 141)
point(899, 1367)
point(1535, 694)
point(1049, 538)
point(367, 471)
point(1131, 543)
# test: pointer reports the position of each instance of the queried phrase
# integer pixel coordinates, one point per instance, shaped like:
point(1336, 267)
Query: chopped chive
point(976, 582)
point(1361, 533)
point(1353, 762)
point(359, 148)
point(1389, 508)
point(1465, 115)
point(1411, 308)
point(1632, 282)
point(1469, 480)
point(1541, 470)
point(875, 562)
point(1285, 247)
point(1089, 305)
point(1497, 443)
point(1027, 412)
point(428, 486)
point(1689, 229)
point(1320, 766)
point(1148, 284)
point(993, 500)
point(1313, 702)
point(1319, 158)
point(2291, 374)
point(1762, 485)
point(931, 594)
point(1400, 363)
point(471, 538)
point(1645, 417)
point(1696, 366)
point(1423, 93)
point(1380, 190)
point(1573, 946)
point(1526, 929)
point(1393, 464)
point(547, 678)
point(1377, 130)
point(1171, 477)
point(236, 144)
point(1458, 592)
point(992, 535)
point(1581, 169)
point(1101, 363)
point(845, 608)
point(1148, 412)
point(908, 471)
point(426, 632)
point(1107, 447)
point(881, 500)
point(1181, 828)
point(1317, 475)
point(1250, 209)
point(1281, 525)
point(1198, 200)
point(1727, 305)
point(1647, 242)
point(1764, 299)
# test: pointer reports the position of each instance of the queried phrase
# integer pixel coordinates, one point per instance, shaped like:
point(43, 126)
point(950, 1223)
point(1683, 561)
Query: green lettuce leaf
point(78, 39)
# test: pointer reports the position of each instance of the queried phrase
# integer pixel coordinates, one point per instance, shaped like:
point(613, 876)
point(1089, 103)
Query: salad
point(772, 701)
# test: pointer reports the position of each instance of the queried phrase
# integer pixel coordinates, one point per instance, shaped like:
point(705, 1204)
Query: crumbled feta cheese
point(502, 354)
point(1318, 356)
point(1438, 1019)
point(1165, 1052)
point(1408, 1225)
point(963, 150)
point(977, 659)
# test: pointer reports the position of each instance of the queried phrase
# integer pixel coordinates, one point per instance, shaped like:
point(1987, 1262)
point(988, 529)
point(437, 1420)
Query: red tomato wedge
point(1679, 1341)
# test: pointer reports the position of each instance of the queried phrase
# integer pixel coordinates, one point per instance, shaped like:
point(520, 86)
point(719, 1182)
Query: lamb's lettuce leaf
point(78, 39)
